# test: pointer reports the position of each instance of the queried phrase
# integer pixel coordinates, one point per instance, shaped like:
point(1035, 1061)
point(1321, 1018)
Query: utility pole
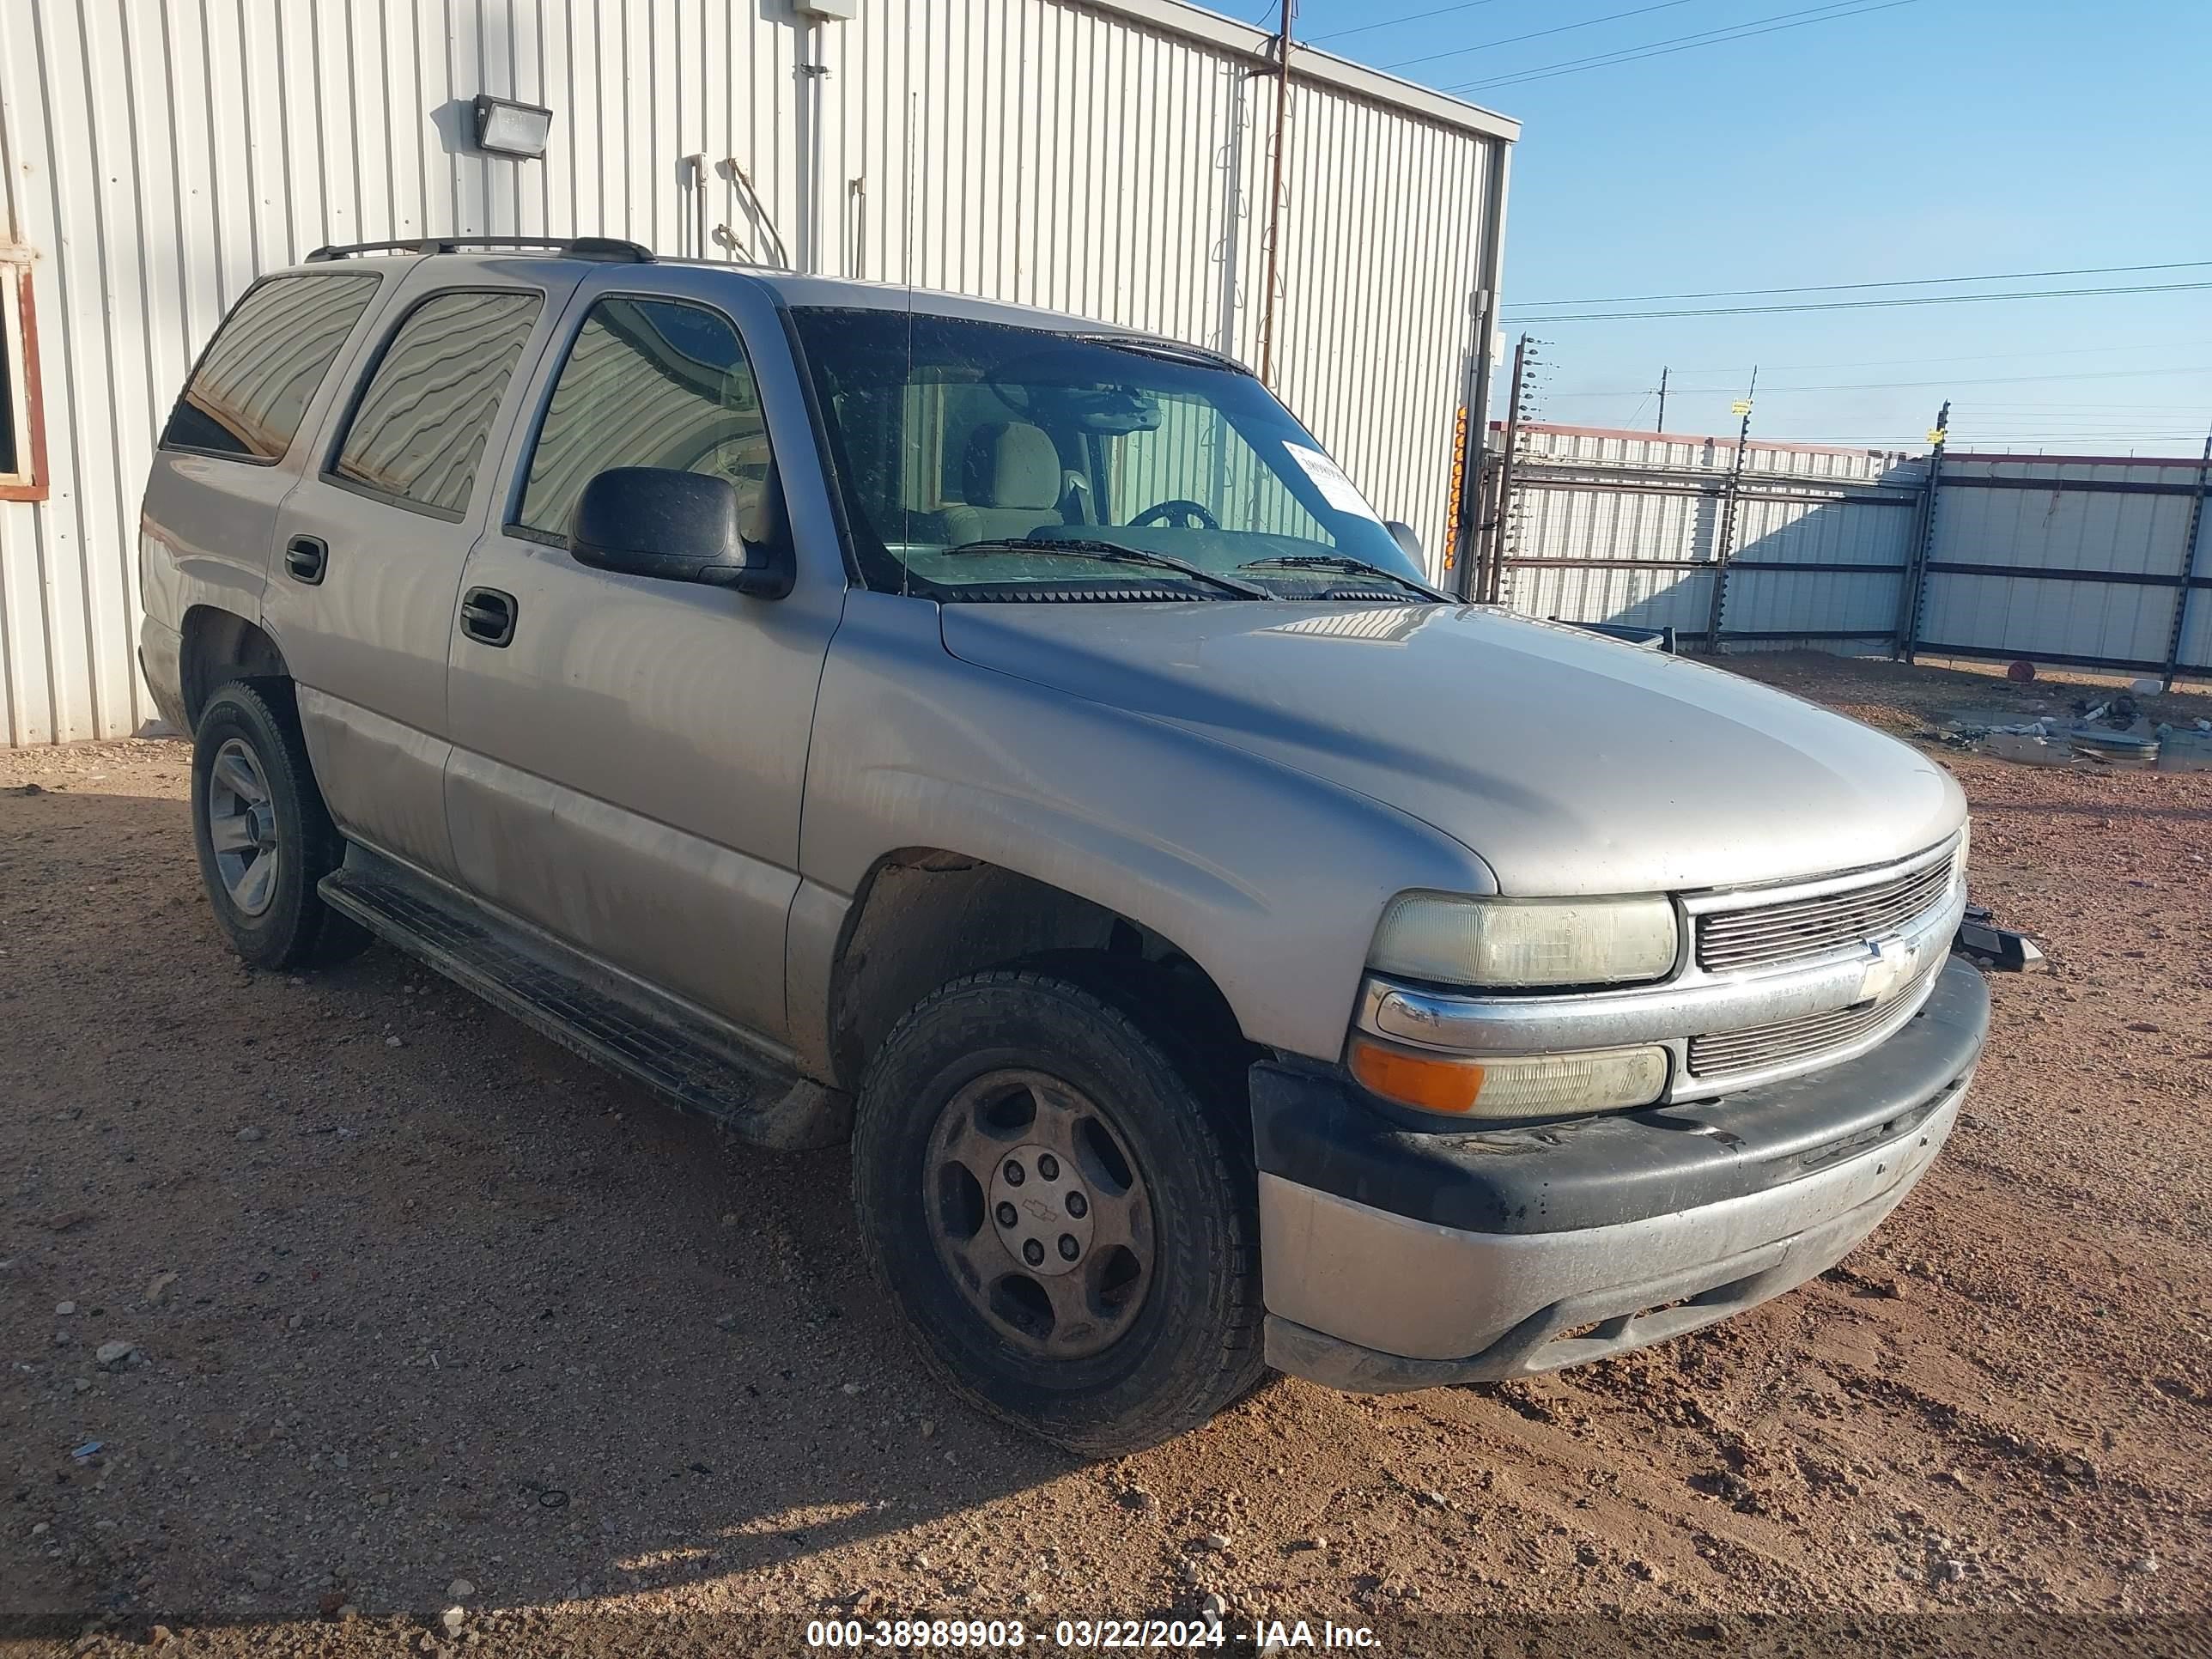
point(1916, 577)
point(1275, 192)
point(1727, 519)
point(1662, 427)
point(1494, 577)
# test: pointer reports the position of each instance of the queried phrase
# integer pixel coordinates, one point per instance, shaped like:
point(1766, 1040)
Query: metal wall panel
point(1598, 515)
point(1107, 157)
point(2193, 649)
point(2026, 617)
point(2023, 515)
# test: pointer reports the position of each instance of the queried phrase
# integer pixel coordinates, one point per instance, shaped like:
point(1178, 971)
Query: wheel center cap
point(1041, 1209)
point(260, 825)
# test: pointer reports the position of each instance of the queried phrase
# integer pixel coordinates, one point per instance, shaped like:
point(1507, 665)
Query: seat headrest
point(1012, 464)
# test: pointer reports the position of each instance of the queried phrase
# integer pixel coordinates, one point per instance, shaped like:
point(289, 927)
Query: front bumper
point(1406, 1259)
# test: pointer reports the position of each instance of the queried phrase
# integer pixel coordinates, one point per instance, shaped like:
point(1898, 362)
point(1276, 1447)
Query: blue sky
point(1933, 138)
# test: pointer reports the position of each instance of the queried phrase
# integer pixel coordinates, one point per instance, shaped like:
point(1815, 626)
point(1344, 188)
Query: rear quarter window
point(251, 386)
point(419, 430)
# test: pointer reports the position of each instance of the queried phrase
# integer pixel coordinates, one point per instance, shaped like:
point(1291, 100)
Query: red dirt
point(465, 1309)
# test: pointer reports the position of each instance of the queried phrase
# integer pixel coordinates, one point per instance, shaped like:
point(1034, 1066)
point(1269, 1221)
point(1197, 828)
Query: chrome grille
point(1799, 928)
point(1758, 1046)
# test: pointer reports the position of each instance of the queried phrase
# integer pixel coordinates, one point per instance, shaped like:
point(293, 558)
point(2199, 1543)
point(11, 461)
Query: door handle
point(306, 558)
point(488, 615)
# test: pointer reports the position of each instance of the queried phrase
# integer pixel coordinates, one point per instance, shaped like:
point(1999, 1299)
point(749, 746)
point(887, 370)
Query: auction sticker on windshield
point(1337, 489)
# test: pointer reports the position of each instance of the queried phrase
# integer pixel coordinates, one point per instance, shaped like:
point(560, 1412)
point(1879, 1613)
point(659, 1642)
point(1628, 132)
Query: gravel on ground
point(342, 1314)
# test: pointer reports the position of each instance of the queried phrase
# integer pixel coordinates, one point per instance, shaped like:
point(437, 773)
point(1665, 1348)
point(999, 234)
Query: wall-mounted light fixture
point(506, 128)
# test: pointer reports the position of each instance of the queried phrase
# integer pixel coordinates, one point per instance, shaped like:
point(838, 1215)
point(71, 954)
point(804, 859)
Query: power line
point(1860, 305)
point(2096, 410)
point(2001, 379)
point(1894, 386)
point(1980, 357)
point(1918, 440)
point(1388, 22)
point(1838, 287)
point(1679, 43)
point(1515, 40)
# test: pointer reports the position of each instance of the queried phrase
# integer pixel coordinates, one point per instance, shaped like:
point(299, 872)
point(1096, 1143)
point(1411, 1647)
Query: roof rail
point(608, 248)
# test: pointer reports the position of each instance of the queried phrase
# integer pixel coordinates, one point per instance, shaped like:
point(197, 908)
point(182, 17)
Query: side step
point(673, 1049)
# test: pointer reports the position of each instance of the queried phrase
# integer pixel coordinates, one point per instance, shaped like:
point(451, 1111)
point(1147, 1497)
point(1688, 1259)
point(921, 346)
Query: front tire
point(265, 837)
point(1066, 1215)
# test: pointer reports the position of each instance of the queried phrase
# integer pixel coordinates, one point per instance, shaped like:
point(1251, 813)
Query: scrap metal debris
point(2114, 732)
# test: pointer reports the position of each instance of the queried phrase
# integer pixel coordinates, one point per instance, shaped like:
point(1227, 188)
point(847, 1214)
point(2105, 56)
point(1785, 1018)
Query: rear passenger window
point(420, 428)
point(648, 383)
point(251, 386)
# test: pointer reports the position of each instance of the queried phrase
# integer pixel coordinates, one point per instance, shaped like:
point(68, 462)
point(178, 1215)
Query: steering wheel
point(1186, 516)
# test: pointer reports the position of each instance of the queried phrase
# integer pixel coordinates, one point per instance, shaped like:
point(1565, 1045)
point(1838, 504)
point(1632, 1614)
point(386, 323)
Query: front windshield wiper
point(1345, 563)
point(1107, 553)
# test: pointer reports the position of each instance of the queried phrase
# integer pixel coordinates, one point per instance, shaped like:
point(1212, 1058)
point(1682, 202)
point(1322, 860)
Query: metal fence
point(2095, 561)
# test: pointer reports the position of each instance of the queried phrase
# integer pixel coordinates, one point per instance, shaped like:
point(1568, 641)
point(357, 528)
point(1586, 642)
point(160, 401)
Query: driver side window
point(648, 383)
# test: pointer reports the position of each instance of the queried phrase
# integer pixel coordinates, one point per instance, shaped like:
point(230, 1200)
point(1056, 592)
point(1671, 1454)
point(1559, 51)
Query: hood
point(1569, 762)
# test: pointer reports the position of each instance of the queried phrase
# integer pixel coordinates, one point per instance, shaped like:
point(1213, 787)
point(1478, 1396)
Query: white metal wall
point(1620, 526)
point(1108, 157)
point(2114, 534)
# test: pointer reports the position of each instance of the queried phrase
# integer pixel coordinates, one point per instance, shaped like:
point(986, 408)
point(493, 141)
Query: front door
point(362, 590)
point(628, 753)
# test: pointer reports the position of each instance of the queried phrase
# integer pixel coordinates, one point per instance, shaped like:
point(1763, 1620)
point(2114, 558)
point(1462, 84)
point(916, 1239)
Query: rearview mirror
point(681, 526)
point(1409, 542)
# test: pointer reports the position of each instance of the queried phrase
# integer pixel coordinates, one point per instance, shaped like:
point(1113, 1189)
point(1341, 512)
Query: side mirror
point(681, 526)
point(1409, 543)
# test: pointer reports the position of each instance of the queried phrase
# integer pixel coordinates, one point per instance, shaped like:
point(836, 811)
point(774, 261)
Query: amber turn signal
point(1427, 1081)
point(1510, 1085)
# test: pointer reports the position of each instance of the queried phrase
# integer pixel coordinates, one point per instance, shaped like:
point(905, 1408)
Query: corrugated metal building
point(1108, 157)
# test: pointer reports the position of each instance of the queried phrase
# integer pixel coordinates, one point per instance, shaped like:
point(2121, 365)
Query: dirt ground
point(411, 1297)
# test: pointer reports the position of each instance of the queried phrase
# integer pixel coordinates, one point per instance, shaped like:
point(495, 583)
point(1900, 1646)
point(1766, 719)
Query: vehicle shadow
point(409, 1294)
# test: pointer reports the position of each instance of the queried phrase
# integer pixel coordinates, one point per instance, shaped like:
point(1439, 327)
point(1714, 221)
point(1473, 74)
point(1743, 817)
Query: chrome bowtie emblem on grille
point(1889, 964)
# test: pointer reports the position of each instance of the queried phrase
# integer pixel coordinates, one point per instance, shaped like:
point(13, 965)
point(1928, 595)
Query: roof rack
point(611, 249)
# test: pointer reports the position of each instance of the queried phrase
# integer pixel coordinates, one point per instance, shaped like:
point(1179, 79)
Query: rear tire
point(1109, 1298)
point(264, 836)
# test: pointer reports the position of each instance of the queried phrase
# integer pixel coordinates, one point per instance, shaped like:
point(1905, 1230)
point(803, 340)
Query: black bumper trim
point(1311, 1126)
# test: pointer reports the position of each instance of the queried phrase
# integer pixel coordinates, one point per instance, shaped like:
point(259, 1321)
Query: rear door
point(366, 582)
point(628, 760)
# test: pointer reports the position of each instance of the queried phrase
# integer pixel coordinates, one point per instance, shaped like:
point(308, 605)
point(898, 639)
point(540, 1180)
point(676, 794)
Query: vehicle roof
point(791, 286)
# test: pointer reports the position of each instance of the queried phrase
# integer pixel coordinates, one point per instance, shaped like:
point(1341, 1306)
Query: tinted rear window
point(419, 429)
point(251, 388)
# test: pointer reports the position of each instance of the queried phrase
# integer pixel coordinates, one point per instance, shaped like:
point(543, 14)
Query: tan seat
point(1013, 480)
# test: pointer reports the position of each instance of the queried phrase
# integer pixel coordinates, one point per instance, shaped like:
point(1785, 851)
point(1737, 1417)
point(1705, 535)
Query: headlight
point(1518, 1085)
point(1513, 943)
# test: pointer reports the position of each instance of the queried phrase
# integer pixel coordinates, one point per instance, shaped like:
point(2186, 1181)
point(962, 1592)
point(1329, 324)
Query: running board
point(671, 1048)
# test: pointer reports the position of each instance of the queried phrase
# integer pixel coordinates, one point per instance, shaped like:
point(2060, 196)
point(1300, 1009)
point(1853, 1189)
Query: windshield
point(978, 460)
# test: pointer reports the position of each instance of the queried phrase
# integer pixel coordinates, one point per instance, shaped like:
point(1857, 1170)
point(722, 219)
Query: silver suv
point(1010, 743)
